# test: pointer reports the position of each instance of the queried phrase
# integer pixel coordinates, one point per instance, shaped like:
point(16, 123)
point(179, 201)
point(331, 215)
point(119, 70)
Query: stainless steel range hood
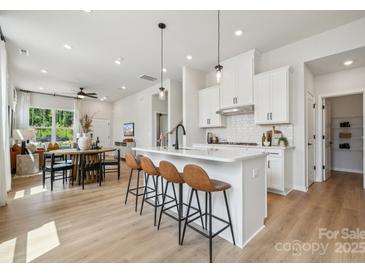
point(237, 110)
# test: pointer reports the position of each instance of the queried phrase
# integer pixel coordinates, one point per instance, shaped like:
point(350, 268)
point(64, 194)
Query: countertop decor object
point(84, 142)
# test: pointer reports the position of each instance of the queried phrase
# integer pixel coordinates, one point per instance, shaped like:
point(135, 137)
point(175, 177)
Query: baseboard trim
point(300, 188)
point(348, 170)
point(253, 236)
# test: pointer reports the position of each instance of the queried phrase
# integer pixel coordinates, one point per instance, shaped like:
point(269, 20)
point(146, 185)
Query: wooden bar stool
point(198, 179)
point(172, 176)
point(151, 170)
point(134, 164)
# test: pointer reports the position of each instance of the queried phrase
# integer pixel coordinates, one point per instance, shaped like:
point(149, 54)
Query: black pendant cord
point(219, 36)
point(2, 37)
point(161, 58)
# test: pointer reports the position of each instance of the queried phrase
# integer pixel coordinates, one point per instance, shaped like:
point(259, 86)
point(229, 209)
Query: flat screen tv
point(128, 129)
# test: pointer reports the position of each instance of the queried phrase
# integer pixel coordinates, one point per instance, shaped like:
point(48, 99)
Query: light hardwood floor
point(94, 225)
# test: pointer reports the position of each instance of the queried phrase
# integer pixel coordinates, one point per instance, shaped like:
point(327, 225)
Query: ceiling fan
point(81, 94)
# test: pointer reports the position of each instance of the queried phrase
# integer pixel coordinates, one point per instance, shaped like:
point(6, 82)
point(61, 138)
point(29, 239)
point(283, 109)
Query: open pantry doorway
point(342, 127)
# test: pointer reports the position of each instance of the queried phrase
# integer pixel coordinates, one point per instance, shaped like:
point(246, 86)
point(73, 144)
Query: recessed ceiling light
point(238, 32)
point(41, 88)
point(66, 46)
point(44, 71)
point(87, 11)
point(103, 98)
point(164, 69)
point(118, 61)
point(189, 57)
point(348, 62)
point(123, 87)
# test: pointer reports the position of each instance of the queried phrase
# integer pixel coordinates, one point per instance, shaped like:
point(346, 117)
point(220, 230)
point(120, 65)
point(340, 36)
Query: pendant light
point(162, 92)
point(218, 68)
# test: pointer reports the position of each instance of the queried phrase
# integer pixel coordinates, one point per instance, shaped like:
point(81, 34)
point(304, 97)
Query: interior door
point(101, 129)
point(327, 145)
point(310, 139)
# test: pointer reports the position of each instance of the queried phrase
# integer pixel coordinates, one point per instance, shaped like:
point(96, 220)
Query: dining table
point(79, 157)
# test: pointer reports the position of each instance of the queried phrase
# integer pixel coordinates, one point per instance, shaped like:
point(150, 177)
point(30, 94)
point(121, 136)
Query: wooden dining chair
point(114, 162)
point(54, 168)
point(91, 166)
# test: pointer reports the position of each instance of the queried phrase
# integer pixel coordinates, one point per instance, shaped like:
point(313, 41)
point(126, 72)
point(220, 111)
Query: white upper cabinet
point(208, 105)
point(271, 96)
point(236, 87)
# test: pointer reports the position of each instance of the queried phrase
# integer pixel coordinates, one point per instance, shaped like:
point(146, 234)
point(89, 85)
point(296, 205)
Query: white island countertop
point(212, 154)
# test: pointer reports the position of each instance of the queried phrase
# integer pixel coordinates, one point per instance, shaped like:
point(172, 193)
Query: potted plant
point(84, 142)
point(283, 141)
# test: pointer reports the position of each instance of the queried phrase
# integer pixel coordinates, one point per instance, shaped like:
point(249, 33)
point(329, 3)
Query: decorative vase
point(84, 142)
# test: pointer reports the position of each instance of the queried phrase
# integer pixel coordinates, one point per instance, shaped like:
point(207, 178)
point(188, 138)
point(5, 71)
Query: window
point(41, 120)
point(64, 126)
point(52, 125)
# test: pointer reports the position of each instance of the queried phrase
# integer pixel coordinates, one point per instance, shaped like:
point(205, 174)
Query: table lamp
point(23, 135)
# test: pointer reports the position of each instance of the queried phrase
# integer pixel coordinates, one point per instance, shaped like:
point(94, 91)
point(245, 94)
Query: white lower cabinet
point(279, 171)
point(279, 166)
point(274, 173)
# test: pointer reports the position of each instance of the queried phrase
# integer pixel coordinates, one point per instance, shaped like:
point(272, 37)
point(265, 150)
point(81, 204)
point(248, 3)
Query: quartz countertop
point(242, 146)
point(212, 154)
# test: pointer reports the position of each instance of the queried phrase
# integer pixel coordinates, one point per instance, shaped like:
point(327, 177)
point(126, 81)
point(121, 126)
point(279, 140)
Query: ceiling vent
point(147, 77)
point(24, 52)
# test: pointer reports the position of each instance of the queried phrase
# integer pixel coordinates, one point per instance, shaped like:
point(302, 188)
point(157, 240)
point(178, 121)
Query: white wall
point(46, 101)
point(100, 110)
point(137, 108)
point(193, 81)
point(175, 112)
point(158, 106)
point(343, 38)
point(339, 82)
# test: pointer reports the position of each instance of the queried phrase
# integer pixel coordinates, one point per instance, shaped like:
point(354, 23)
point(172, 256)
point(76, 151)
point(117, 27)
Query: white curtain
point(77, 106)
point(22, 110)
point(5, 175)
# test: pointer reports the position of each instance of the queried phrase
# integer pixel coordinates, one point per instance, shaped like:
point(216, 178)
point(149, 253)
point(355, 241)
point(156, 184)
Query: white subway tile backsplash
point(242, 128)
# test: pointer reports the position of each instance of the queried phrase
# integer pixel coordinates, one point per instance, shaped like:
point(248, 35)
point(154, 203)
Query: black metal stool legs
point(129, 185)
point(210, 227)
point(208, 217)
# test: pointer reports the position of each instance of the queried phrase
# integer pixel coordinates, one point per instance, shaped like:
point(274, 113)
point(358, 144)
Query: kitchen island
point(245, 171)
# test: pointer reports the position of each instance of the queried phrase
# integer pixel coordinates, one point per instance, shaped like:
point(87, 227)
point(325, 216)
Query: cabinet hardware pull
point(270, 115)
point(268, 163)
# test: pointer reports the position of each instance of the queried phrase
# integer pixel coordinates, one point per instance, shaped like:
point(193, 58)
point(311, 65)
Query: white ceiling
point(334, 63)
point(99, 37)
